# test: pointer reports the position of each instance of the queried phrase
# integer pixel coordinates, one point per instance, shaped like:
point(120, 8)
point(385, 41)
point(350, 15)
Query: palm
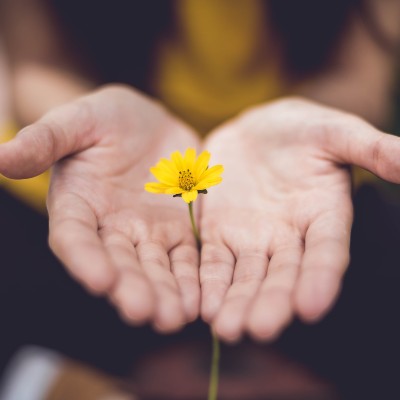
point(136, 247)
point(276, 232)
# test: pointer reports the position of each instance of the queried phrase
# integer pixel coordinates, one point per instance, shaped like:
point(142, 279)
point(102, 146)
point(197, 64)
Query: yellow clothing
point(215, 66)
point(32, 191)
point(217, 63)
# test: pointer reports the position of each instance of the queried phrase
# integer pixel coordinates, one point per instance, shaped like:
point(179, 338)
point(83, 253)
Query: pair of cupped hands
point(275, 233)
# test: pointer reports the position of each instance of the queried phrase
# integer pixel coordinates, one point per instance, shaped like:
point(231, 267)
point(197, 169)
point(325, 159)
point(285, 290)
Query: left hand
point(276, 232)
point(111, 236)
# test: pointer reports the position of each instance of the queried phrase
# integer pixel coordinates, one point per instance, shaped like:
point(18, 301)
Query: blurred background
point(207, 61)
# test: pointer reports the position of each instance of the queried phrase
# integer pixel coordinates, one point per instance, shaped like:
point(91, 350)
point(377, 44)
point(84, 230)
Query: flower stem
point(194, 227)
point(214, 374)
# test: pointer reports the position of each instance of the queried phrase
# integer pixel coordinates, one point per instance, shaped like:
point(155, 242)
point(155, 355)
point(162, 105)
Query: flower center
point(186, 181)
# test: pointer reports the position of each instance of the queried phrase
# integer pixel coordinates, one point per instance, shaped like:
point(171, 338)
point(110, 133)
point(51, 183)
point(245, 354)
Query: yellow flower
point(185, 175)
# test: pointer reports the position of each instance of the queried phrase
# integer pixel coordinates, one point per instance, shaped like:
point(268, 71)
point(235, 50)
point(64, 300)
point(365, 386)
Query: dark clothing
point(117, 39)
point(356, 347)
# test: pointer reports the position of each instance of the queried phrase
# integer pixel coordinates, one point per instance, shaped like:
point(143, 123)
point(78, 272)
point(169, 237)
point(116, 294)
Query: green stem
point(214, 374)
point(194, 227)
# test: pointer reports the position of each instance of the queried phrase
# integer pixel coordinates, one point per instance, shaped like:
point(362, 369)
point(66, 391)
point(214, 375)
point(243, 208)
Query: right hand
point(276, 232)
point(112, 236)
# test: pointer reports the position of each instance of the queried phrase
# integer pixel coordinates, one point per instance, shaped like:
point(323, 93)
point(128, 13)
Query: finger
point(216, 273)
point(325, 261)
point(66, 130)
point(185, 267)
point(132, 293)
point(74, 239)
point(154, 260)
point(272, 308)
point(354, 141)
point(250, 270)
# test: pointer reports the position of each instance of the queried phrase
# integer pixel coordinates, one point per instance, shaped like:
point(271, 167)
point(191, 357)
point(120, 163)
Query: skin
point(5, 106)
point(116, 239)
point(280, 248)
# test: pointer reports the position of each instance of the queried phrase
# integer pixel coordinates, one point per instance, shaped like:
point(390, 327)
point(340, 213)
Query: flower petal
point(168, 165)
point(174, 190)
point(212, 172)
point(164, 176)
point(188, 197)
point(190, 158)
point(155, 187)
point(201, 164)
point(177, 159)
point(204, 184)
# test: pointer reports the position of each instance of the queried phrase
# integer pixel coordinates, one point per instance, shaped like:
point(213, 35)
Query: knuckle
point(212, 254)
point(56, 240)
point(185, 255)
point(142, 230)
point(188, 281)
point(156, 258)
point(164, 285)
point(377, 153)
point(277, 291)
point(152, 253)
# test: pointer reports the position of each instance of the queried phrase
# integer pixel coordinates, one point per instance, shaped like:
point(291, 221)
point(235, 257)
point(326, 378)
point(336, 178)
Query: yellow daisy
point(185, 176)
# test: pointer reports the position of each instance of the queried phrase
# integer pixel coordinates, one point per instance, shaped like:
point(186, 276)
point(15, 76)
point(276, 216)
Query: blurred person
point(276, 234)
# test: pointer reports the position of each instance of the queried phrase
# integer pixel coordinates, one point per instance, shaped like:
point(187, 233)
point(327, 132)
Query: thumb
point(65, 130)
point(356, 142)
